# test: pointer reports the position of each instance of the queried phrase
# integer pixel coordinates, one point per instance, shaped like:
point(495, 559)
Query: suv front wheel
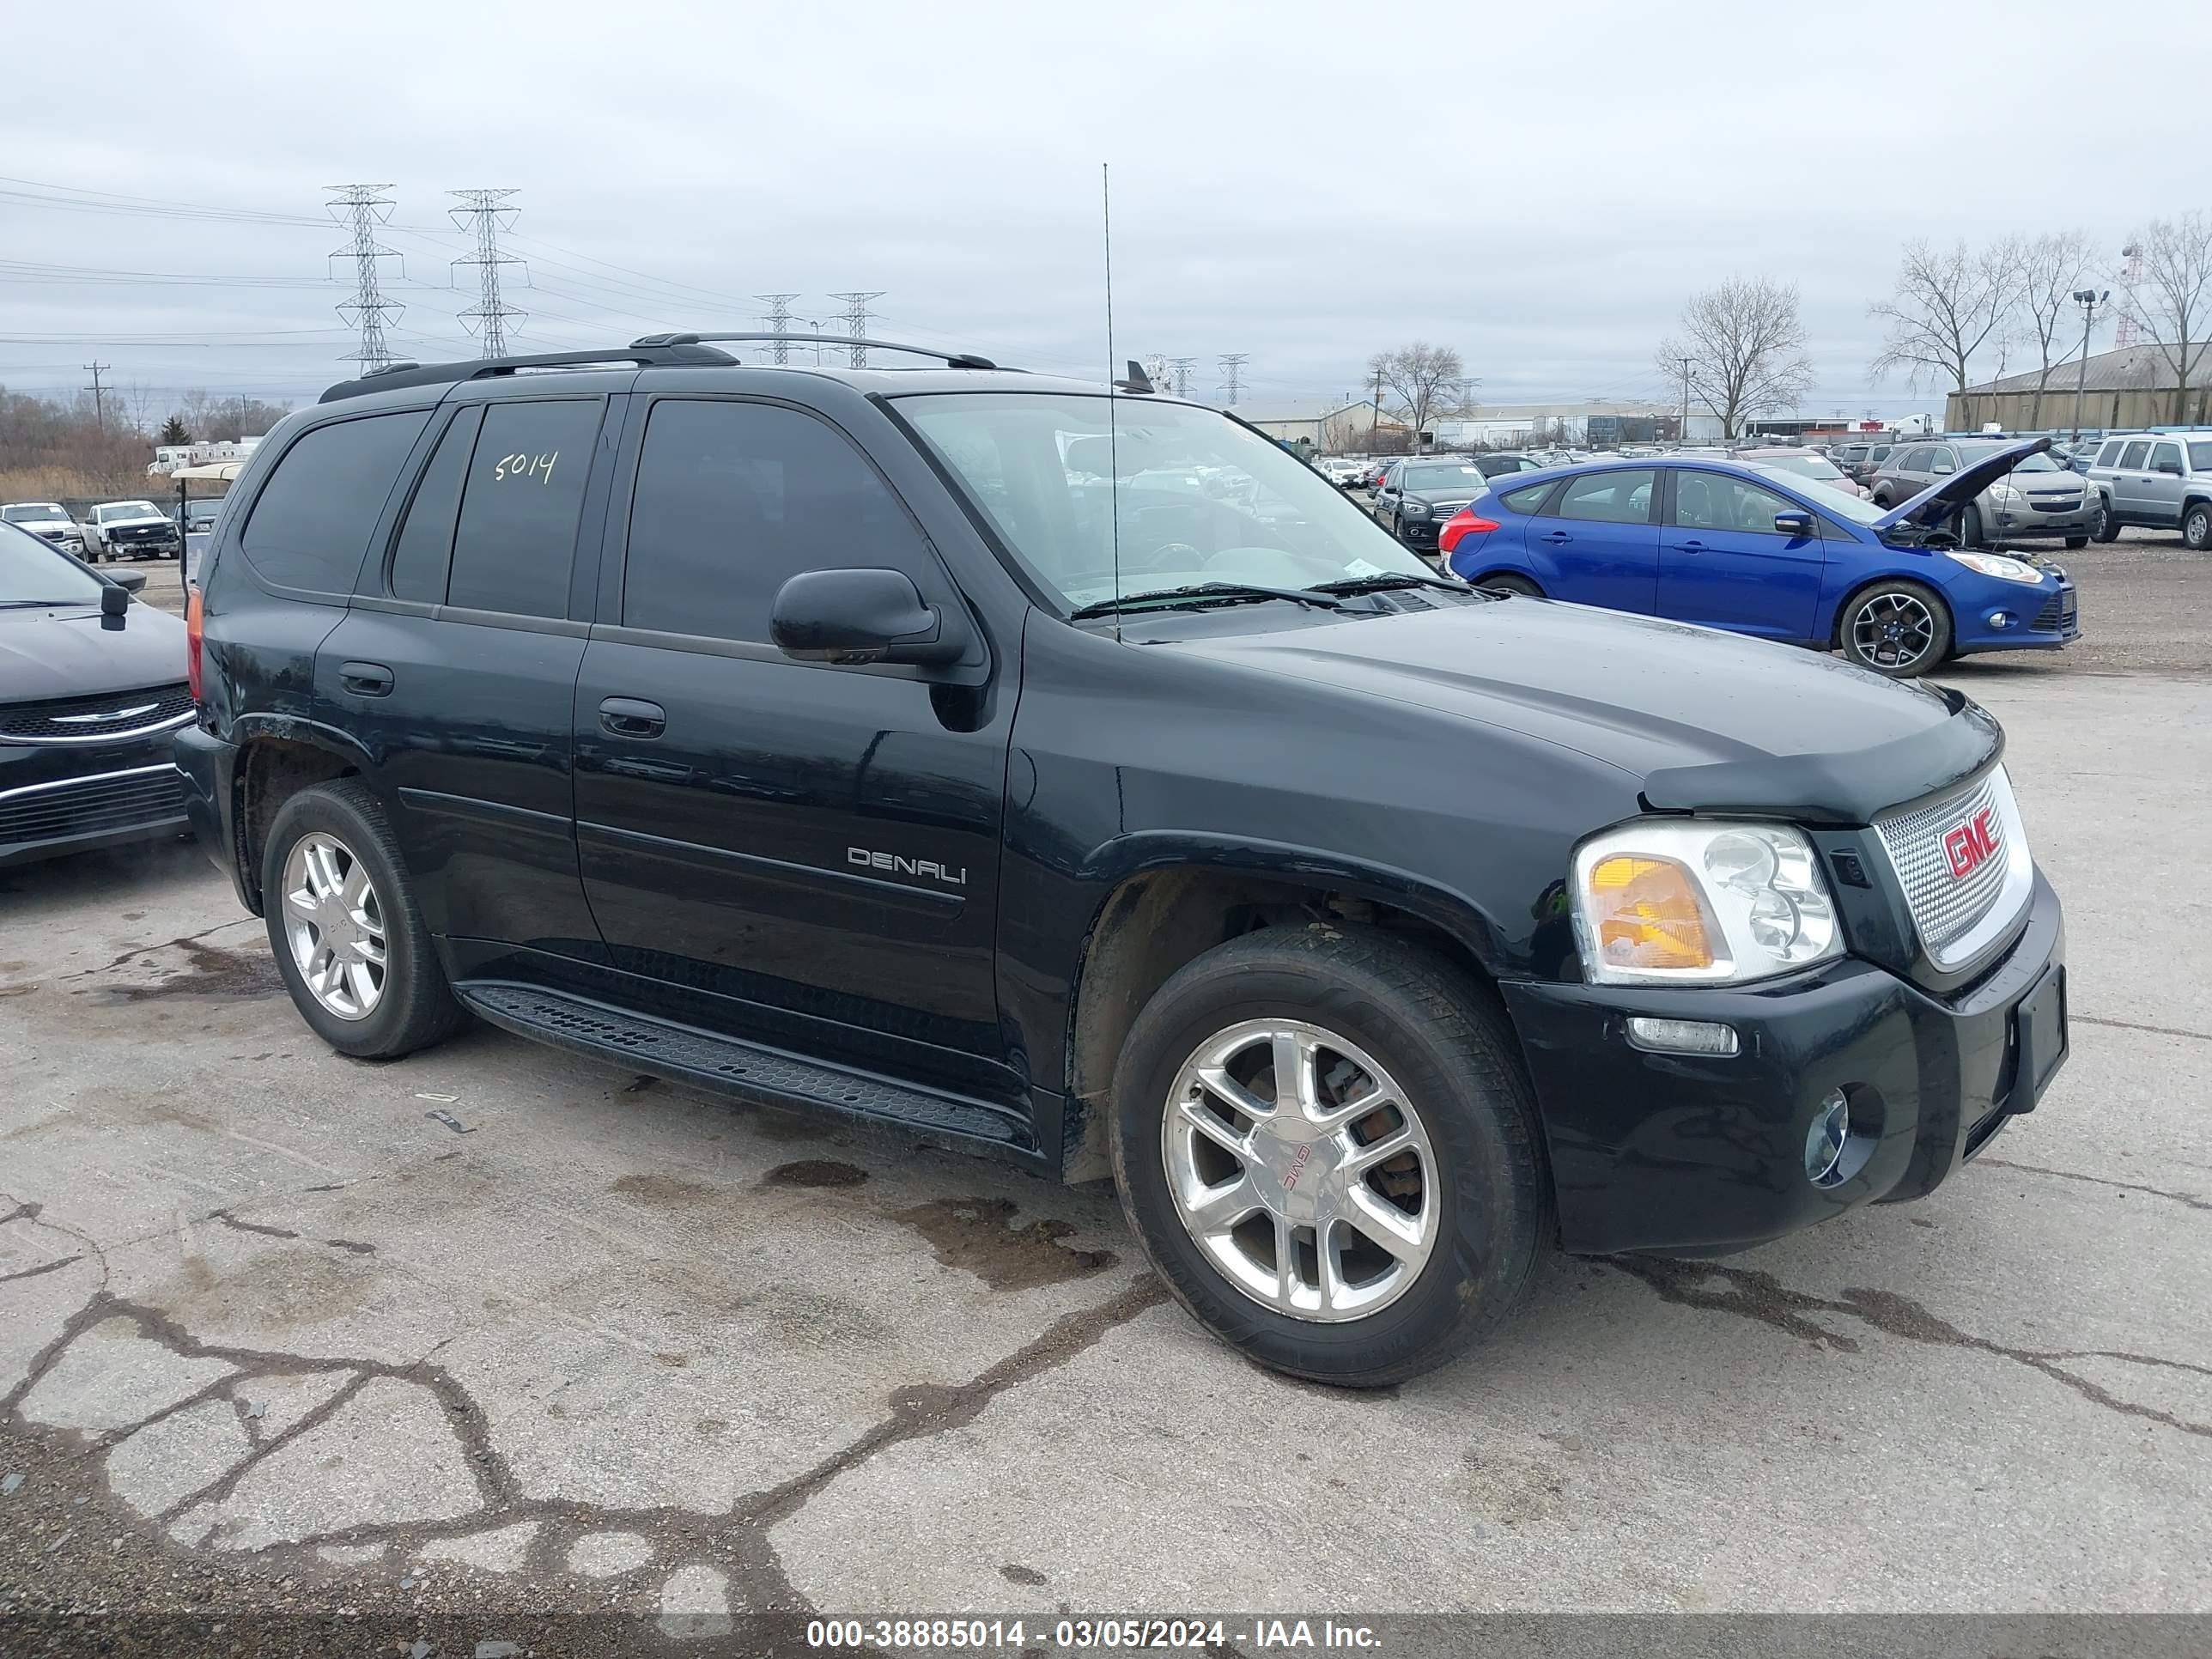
point(2197, 527)
point(349, 937)
point(1325, 1141)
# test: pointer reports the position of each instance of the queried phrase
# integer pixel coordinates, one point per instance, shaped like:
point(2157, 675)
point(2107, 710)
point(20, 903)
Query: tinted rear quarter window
point(734, 499)
point(516, 542)
point(425, 549)
point(312, 521)
point(1529, 498)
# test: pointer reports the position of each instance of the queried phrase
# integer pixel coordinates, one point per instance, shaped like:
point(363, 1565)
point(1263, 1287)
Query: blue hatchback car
point(1757, 551)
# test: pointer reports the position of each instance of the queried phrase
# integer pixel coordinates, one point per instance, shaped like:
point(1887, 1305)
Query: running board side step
point(727, 1065)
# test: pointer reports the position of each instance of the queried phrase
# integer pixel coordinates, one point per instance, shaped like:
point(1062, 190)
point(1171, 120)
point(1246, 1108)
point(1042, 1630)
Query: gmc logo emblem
point(1973, 842)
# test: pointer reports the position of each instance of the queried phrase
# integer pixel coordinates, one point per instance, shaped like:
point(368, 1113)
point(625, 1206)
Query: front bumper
point(2026, 523)
point(54, 801)
point(1705, 1154)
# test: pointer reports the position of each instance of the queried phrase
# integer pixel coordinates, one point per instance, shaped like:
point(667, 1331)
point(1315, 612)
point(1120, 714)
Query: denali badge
point(929, 867)
point(1968, 845)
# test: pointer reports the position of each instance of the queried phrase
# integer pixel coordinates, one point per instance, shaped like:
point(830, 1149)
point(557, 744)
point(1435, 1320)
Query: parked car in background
point(1499, 466)
point(1860, 461)
point(200, 526)
point(2036, 500)
point(1752, 550)
point(1803, 464)
point(48, 520)
point(91, 689)
point(133, 530)
point(1416, 496)
point(2155, 481)
point(1345, 473)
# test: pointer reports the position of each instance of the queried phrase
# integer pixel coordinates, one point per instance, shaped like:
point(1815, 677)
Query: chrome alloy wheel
point(1301, 1170)
point(336, 925)
point(1893, 629)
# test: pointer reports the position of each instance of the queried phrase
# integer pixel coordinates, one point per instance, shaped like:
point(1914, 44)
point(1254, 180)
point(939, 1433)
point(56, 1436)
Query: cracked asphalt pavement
point(493, 1332)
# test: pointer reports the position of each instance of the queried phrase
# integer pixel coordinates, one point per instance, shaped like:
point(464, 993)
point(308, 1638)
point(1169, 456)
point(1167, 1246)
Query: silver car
point(2037, 501)
point(2157, 481)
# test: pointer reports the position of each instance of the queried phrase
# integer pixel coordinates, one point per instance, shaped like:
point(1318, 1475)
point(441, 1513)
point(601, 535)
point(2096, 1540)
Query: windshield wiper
point(1202, 592)
point(1387, 581)
point(41, 604)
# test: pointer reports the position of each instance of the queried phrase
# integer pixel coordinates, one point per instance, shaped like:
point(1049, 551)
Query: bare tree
point(2050, 269)
point(1948, 305)
point(1422, 377)
point(2170, 302)
point(1741, 349)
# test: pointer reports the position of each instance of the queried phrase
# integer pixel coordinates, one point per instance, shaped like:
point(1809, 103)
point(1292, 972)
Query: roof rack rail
point(950, 359)
point(650, 352)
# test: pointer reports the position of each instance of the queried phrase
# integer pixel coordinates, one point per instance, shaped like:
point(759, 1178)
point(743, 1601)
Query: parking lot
point(492, 1331)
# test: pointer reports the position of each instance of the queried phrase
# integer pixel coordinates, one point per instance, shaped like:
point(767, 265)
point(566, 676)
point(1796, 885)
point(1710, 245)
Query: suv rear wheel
point(2104, 527)
point(2197, 527)
point(1896, 627)
point(349, 937)
point(1325, 1141)
point(1504, 581)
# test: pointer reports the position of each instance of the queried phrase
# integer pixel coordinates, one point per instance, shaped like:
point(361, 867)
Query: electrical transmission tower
point(366, 207)
point(2130, 279)
point(856, 320)
point(487, 317)
point(1232, 364)
point(1155, 368)
point(1182, 368)
point(779, 322)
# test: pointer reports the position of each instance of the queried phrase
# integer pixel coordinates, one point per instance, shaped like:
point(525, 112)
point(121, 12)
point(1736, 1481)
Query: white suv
point(2157, 480)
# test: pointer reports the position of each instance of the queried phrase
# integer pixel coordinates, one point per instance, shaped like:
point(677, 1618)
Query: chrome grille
point(143, 796)
point(106, 718)
point(1946, 907)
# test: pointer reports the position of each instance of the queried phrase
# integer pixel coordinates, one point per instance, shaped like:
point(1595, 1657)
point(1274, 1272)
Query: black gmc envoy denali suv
point(1076, 776)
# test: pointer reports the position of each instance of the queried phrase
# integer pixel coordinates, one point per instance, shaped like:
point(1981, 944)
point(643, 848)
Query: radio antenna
point(1113, 434)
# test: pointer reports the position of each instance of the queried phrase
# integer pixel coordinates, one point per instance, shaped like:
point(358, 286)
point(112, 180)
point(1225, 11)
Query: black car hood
point(1704, 720)
point(72, 651)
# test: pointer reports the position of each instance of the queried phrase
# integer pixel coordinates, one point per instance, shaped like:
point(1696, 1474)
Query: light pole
point(2088, 299)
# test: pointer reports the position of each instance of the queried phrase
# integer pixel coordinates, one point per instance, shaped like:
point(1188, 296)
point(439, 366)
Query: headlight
point(1995, 564)
point(1675, 901)
point(1413, 509)
point(2003, 492)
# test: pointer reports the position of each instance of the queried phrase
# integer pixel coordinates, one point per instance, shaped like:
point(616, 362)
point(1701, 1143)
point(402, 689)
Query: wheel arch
point(1170, 903)
point(278, 758)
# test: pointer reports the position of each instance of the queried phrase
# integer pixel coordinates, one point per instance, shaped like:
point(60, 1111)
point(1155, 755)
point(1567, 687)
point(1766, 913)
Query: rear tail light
point(195, 625)
point(1463, 524)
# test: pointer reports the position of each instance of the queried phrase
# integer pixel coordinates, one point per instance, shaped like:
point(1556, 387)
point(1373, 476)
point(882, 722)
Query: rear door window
point(425, 550)
point(2133, 455)
point(1623, 497)
point(515, 543)
point(312, 522)
point(734, 499)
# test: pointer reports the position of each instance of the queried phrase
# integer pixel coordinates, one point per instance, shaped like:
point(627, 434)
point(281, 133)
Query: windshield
point(1805, 467)
point(31, 513)
point(127, 510)
point(1969, 453)
point(31, 572)
point(1443, 480)
point(1200, 499)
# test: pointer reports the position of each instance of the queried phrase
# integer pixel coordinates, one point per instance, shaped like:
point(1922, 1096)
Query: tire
point(1504, 581)
point(1970, 533)
point(2105, 527)
point(1483, 1196)
point(412, 1006)
point(2075, 543)
point(1863, 629)
point(2197, 527)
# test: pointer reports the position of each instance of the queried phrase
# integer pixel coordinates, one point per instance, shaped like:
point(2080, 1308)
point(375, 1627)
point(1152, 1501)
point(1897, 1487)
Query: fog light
point(1824, 1141)
point(2001, 619)
point(1680, 1036)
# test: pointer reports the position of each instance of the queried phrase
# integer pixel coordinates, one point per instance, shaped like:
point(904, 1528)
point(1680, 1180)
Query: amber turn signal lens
point(1649, 913)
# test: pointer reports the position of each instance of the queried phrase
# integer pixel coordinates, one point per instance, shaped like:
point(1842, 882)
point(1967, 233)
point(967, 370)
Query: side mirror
point(1794, 524)
point(856, 616)
point(2172, 469)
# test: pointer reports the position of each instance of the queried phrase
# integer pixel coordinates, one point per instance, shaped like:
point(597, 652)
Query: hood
point(74, 651)
point(1939, 500)
point(1704, 720)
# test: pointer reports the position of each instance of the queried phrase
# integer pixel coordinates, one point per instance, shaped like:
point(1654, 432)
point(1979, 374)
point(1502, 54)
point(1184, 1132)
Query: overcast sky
point(1539, 185)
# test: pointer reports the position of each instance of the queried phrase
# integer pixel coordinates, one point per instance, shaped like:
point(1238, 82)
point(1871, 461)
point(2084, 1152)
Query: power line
point(369, 308)
point(1232, 366)
point(779, 322)
point(489, 314)
point(856, 320)
point(98, 393)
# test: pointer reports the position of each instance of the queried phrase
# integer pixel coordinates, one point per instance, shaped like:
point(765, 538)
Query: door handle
point(1557, 536)
point(1690, 547)
point(366, 679)
point(632, 717)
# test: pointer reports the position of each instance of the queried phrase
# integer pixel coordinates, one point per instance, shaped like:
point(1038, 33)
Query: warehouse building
point(2133, 386)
